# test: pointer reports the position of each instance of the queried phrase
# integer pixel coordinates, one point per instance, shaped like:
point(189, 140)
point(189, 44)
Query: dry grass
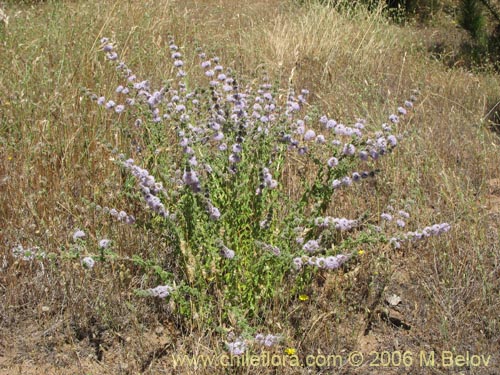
point(55, 159)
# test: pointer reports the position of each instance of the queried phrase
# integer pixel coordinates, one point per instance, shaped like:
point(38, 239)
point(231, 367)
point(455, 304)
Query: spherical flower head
point(270, 340)
point(320, 139)
point(346, 181)
point(161, 291)
point(310, 134)
point(320, 262)
point(374, 154)
point(294, 106)
point(360, 124)
point(78, 235)
point(259, 338)
point(404, 214)
point(297, 263)
point(101, 100)
point(402, 111)
point(206, 64)
point(400, 223)
point(393, 141)
point(104, 243)
point(119, 108)
point(340, 129)
point(88, 262)
point(130, 220)
point(267, 96)
point(332, 162)
point(444, 227)
point(336, 184)
point(178, 63)
point(210, 73)
point(332, 263)
point(311, 246)
point(387, 217)
point(300, 129)
point(330, 124)
point(184, 142)
point(214, 213)
point(237, 148)
point(394, 119)
point(218, 136)
point(237, 347)
point(386, 127)
point(110, 104)
point(363, 155)
point(394, 242)
point(191, 179)
point(192, 161)
point(408, 104)
point(227, 252)
point(273, 184)
point(112, 56)
point(349, 149)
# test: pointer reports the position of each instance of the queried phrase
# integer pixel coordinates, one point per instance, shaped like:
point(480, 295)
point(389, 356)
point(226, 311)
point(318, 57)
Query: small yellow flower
point(361, 252)
point(303, 297)
point(290, 351)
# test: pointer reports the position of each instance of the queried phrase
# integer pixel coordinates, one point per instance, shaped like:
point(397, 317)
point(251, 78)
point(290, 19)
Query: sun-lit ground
point(55, 148)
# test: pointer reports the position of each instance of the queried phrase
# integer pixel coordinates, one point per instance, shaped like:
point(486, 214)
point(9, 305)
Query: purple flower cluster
point(123, 90)
point(237, 347)
point(78, 235)
point(267, 247)
point(88, 262)
point(27, 254)
point(213, 211)
point(104, 243)
point(355, 177)
point(161, 291)
point(267, 181)
point(190, 178)
point(267, 340)
point(398, 218)
point(118, 215)
point(149, 187)
point(433, 230)
point(226, 252)
point(329, 262)
point(341, 224)
point(311, 246)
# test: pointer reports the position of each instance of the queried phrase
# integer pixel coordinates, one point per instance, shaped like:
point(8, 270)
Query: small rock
point(393, 300)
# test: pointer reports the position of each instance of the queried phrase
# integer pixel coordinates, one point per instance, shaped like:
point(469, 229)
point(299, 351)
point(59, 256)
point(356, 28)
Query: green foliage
point(472, 19)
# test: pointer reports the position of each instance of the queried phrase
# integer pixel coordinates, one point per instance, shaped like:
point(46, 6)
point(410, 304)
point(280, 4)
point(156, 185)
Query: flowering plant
point(221, 179)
